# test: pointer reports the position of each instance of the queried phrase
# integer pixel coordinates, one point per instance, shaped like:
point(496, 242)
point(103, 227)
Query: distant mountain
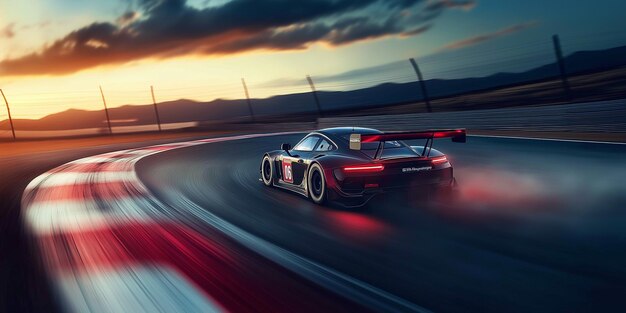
point(184, 110)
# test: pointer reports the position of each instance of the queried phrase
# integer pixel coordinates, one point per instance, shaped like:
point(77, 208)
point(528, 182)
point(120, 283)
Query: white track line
point(551, 139)
point(45, 218)
point(136, 289)
point(69, 179)
point(329, 278)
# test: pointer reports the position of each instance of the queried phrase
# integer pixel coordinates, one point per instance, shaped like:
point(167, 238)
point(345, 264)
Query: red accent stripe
point(365, 168)
point(98, 167)
point(439, 160)
point(114, 155)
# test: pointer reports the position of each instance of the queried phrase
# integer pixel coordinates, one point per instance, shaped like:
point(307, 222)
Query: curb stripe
point(71, 179)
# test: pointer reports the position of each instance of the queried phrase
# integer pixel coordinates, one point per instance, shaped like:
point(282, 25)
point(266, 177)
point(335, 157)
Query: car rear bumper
point(358, 192)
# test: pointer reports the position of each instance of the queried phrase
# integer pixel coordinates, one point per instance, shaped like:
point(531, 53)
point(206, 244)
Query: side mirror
point(285, 147)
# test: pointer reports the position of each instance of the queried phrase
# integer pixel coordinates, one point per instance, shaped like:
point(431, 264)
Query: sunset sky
point(55, 53)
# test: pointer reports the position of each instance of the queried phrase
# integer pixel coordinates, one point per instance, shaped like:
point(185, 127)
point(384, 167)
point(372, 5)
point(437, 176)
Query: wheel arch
point(328, 164)
point(328, 179)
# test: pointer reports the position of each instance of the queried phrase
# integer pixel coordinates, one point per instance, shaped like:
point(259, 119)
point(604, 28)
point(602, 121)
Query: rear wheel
point(267, 171)
point(316, 183)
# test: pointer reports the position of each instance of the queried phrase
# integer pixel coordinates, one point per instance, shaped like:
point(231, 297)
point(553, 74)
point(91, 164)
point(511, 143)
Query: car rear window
point(307, 144)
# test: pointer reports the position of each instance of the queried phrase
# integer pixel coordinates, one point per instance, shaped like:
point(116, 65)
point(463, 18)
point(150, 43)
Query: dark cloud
point(489, 36)
point(168, 28)
point(451, 4)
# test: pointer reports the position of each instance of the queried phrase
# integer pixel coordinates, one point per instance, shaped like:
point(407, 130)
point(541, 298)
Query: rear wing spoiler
point(457, 135)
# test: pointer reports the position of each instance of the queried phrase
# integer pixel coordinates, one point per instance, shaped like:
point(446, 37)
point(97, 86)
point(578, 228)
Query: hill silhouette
point(185, 110)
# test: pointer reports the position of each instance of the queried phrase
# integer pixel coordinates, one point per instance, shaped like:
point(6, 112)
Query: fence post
point(314, 91)
point(422, 84)
point(156, 110)
point(8, 112)
point(559, 57)
point(245, 89)
point(106, 111)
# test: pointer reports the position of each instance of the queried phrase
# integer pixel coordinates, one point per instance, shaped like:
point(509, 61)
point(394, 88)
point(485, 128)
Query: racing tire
point(316, 183)
point(267, 171)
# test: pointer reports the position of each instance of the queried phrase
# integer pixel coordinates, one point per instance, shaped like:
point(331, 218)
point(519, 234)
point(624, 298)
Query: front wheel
point(267, 171)
point(316, 183)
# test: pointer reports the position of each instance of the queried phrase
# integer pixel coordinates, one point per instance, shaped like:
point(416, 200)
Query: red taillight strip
point(365, 168)
point(439, 160)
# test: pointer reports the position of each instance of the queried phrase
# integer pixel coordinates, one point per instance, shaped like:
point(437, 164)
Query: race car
point(349, 166)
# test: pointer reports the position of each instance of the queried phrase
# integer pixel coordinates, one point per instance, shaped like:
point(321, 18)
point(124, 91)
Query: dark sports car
point(349, 166)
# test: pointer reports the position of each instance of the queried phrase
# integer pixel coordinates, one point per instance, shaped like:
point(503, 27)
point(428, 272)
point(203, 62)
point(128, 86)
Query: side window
point(324, 146)
point(307, 144)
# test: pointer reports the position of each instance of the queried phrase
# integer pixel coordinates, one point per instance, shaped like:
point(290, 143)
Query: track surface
point(23, 285)
point(108, 245)
point(538, 225)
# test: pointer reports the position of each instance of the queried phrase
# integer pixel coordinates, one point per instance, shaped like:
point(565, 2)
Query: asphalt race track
point(536, 226)
point(23, 287)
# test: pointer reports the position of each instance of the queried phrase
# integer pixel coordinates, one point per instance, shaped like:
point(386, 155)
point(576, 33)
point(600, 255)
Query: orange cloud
point(489, 36)
point(171, 28)
point(8, 31)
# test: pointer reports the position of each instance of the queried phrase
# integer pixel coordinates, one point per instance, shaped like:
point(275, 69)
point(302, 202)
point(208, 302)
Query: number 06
point(287, 172)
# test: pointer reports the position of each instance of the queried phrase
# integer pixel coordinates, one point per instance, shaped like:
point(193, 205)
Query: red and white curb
point(109, 245)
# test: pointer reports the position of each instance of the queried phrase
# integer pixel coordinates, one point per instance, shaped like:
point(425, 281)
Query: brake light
point(364, 168)
point(439, 160)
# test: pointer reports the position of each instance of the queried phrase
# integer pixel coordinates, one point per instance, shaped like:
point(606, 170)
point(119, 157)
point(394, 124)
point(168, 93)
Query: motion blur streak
point(504, 190)
point(238, 279)
point(108, 246)
point(537, 226)
point(556, 246)
point(136, 289)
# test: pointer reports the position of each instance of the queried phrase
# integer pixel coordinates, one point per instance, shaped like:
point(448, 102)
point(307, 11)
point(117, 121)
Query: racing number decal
point(287, 171)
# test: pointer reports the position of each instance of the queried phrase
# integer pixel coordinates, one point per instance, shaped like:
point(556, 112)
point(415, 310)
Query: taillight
point(439, 160)
point(364, 168)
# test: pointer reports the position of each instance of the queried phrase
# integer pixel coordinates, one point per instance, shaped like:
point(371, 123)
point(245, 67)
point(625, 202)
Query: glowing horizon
point(459, 33)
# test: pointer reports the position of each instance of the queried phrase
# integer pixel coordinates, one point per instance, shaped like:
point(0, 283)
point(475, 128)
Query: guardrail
point(603, 116)
point(258, 127)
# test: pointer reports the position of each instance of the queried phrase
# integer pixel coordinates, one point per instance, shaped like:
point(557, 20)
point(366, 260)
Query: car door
point(294, 166)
